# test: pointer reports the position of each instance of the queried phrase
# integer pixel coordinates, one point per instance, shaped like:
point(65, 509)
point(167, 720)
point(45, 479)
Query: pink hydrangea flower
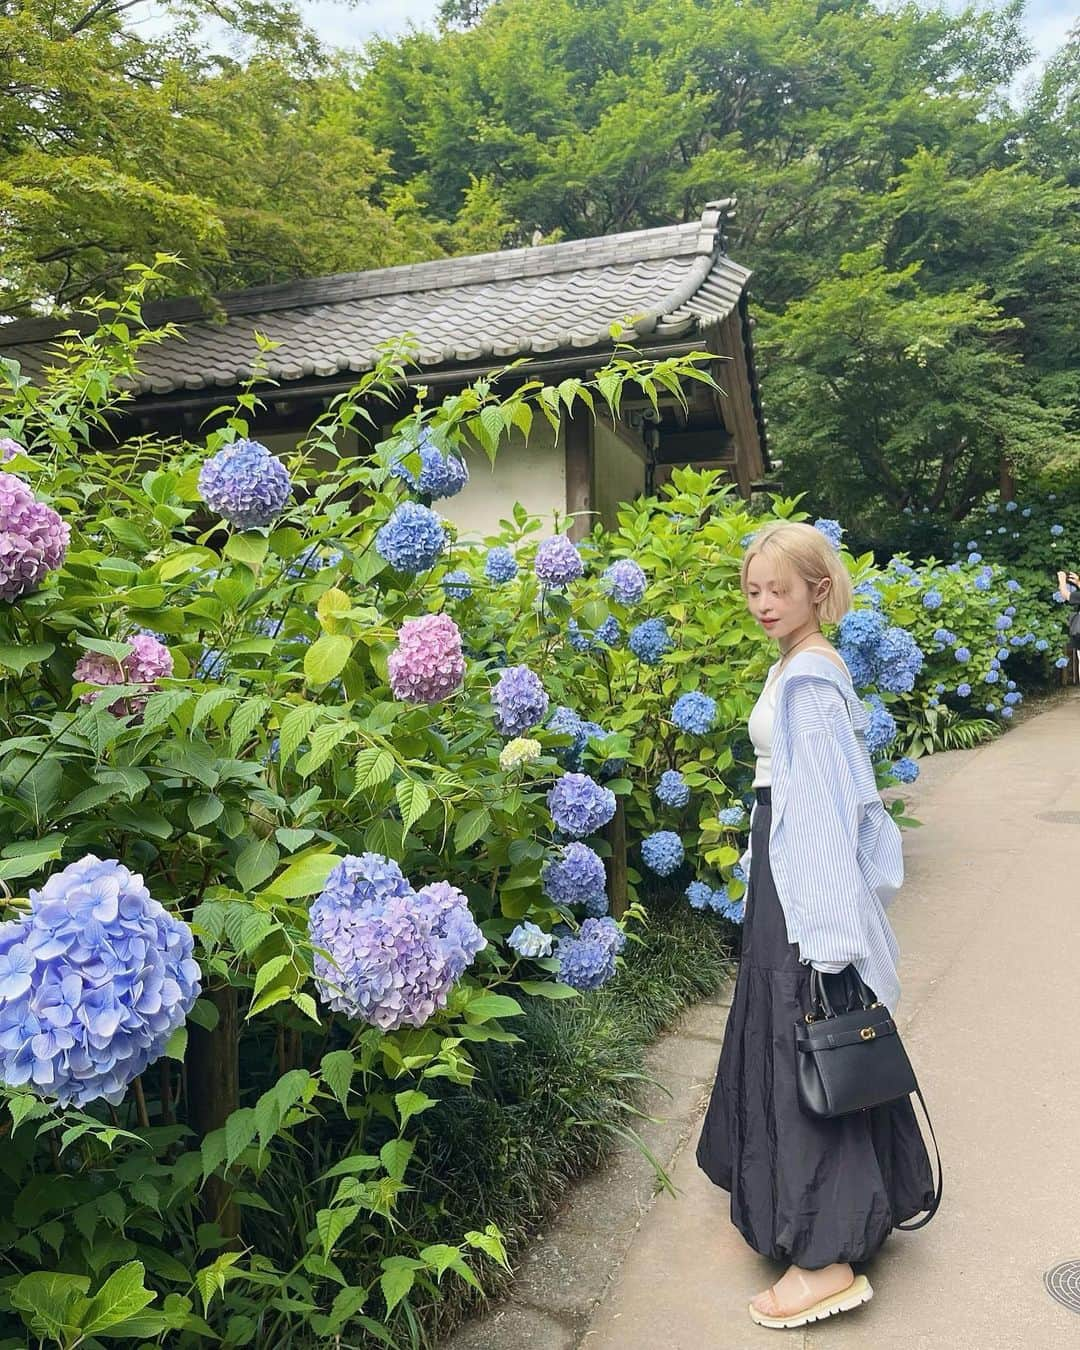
point(33, 538)
point(427, 665)
point(147, 662)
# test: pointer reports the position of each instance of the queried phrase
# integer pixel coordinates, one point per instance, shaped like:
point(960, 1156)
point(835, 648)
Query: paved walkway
point(989, 929)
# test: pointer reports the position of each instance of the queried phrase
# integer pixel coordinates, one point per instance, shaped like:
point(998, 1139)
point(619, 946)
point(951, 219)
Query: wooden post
point(579, 472)
point(615, 834)
point(1006, 482)
point(213, 1075)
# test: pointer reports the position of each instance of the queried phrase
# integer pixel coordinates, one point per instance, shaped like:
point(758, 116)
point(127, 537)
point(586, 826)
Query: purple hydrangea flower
point(245, 484)
point(520, 700)
point(650, 641)
point(694, 713)
point(832, 530)
point(427, 665)
point(500, 566)
point(393, 955)
point(625, 581)
point(575, 876)
point(440, 475)
point(412, 539)
point(672, 789)
point(147, 662)
point(662, 852)
point(10, 448)
point(33, 538)
point(93, 982)
point(529, 939)
point(558, 562)
point(579, 806)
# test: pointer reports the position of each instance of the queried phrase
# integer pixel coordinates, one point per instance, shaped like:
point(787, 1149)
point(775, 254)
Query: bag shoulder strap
point(918, 1223)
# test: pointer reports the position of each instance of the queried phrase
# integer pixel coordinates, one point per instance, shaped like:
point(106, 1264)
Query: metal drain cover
point(1063, 1283)
point(1060, 817)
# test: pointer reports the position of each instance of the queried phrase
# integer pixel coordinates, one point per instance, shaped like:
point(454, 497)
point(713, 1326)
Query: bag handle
point(909, 1227)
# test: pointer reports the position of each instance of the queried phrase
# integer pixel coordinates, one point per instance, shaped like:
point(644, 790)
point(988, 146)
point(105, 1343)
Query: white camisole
point(760, 727)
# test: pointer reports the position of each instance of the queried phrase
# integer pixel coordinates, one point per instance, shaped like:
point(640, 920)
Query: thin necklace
point(785, 656)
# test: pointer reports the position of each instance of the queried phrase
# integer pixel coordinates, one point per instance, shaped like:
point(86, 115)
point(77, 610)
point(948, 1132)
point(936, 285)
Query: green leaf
point(324, 740)
point(410, 1103)
point(395, 1155)
point(239, 1133)
point(120, 1297)
point(337, 1069)
point(250, 714)
point(256, 863)
point(270, 971)
point(485, 1006)
point(305, 876)
point(413, 800)
point(160, 707)
point(208, 702)
point(291, 840)
point(395, 1284)
point(176, 1046)
point(204, 810)
point(331, 1223)
point(18, 658)
point(49, 1297)
point(295, 727)
point(472, 826)
point(373, 766)
point(325, 659)
point(547, 989)
point(248, 548)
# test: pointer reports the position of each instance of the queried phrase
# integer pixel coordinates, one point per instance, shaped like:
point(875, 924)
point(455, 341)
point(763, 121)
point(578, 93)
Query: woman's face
point(780, 612)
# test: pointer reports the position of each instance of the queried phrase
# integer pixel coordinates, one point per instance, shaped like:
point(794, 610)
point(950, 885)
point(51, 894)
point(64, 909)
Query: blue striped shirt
point(834, 851)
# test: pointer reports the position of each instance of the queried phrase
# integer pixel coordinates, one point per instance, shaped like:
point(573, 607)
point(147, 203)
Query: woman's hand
point(1074, 578)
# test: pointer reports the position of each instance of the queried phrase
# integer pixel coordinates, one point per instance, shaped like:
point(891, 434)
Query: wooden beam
point(580, 460)
point(687, 447)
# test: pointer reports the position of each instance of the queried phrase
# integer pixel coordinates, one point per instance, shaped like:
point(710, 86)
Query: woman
point(1071, 597)
point(824, 861)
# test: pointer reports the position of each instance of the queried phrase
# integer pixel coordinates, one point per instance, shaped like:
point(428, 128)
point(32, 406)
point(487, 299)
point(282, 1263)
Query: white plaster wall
point(533, 474)
point(618, 472)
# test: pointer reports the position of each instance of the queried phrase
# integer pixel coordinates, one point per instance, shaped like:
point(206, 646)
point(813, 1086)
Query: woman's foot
point(798, 1289)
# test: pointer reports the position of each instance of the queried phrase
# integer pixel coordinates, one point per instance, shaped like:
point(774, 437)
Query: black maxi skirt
point(805, 1191)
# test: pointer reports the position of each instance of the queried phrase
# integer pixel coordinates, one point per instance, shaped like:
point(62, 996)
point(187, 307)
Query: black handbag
point(853, 1059)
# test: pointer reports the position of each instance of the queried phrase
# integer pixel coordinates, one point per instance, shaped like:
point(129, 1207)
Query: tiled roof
point(491, 306)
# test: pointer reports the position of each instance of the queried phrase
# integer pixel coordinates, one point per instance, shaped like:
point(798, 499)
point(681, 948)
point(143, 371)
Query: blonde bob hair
point(799, 549)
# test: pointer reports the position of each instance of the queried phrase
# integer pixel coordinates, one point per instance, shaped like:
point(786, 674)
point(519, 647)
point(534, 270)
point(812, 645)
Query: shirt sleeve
point(1074, 599)
point(821, 821)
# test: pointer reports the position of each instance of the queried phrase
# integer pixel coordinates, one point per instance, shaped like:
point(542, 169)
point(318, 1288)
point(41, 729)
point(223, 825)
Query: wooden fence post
point(615, 834)
point(213, 1078)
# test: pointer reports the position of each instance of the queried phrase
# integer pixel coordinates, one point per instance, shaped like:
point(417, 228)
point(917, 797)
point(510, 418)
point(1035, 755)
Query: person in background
point(1071, 597)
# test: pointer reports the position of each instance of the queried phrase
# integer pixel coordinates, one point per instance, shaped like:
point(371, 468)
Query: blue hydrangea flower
point(1012, 698)
point(672, 789)
point(699, 895)
point(575, 876)
point(520, 700)
point(1026, 511)
point(974, 557)
point(1041, 645)
point(991, 707)
point(831, 529)
point(529, 939)
point(585, 963)
point(210, 665)
point(694, 713)
point(625, 581)
point(964, 689)
point(991, 677)
point(310, 561)
point(440, 475)
point(971, 544)
point(1057, 529)
point(939, 688)
point(899, 661)
point(1002, 653)
point(731, 816)
point(245, 484)
point(94, 979)
point(650, 641)
point(412, 539)
point(1006, 712)
point(1011, 684)
point(932, 599)
point(558, 562)
point(579, 805)
point(1012, 584)
point(1011, 505)
point(733, 910)
point(882, 726)
point(995, 664)
point(1061, 662)
point(962, 654)
point(500, 565)
point(662, 852)
point(609, 632)
point(457, 585)
point(982, 583)
point(1002, 622)
point(577, 638)
point(905, 769)
point(868, 589)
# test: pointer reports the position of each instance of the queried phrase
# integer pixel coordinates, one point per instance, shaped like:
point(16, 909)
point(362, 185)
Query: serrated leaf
point(250, 714)
point(160, 707)
point(204, 810)
point(248, 548)
point(332, 607)
point(324, 740)
point(331, 1223)
point(120, 1297)
point(256, 863)
point(373, 766)
point(395, 1283)
point(306, 876)
point(239, 1133)
point(325, 659)
point(485, 1006)
point(337, 1069)
point(472, 826)
point(395, 1155)
point(176, 1045)
point(410, 1103)
point(295, 727)
point(206, 703)
point(413, 800)
point(17, 658)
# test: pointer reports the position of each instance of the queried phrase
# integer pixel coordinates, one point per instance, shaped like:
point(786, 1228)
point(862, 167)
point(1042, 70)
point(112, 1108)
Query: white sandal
point(858, 1291)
